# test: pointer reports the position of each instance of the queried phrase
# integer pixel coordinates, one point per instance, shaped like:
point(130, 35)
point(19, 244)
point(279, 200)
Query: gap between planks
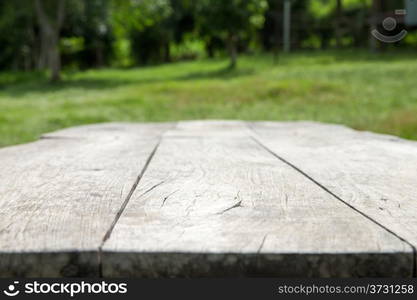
point(126, 201)
point(253, 137)
point(299, 170)
point(124, 204)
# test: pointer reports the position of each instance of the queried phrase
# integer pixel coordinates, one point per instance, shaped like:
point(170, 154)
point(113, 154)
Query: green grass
point(364, 91)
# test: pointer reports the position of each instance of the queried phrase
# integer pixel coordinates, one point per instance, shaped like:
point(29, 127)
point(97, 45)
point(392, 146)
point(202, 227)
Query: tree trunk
point(167, 52)
point(277, 32)
point(50, 27)
point(287, 26)
point(99, 54)
point(375, 11)
point(42, 58)
point(232, 49)
point(210, 48)
point(338, 29)
point(54, 59)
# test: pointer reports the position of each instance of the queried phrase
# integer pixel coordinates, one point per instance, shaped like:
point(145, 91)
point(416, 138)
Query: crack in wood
point(166, 198)
point(153, 187)
point(414, 250)
point(122, 208)
point(262, 244)
point(238, 204)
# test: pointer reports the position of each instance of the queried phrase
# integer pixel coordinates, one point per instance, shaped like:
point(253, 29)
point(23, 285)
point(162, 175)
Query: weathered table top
point(209, 198)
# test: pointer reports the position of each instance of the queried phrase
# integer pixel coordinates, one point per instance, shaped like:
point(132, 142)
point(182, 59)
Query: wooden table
point(209, 198)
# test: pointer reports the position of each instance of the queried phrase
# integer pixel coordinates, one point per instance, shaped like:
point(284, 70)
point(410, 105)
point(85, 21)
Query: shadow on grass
point(43, 86)
point(18, 85)
point(319, 57)
point(223, 73)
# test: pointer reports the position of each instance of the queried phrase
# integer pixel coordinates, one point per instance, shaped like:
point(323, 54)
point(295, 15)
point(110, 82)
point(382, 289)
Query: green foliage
point(237, 17)
point(411, 39)
point(152, 26)
point(190, 48)
point(324, 8)
point(89, 21)
point(17, 36)
point(99, 33)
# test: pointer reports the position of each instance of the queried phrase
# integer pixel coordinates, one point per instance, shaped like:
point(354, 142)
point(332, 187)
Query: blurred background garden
point(72, 62)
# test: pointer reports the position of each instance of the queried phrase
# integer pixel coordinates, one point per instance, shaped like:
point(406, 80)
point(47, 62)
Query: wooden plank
point(60, 195)
point(226, 207)
point(210, 129)
point(376, 174)
point(114, 129)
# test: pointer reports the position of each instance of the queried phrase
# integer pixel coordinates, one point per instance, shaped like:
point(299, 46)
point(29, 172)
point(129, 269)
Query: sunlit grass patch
point(364, 91)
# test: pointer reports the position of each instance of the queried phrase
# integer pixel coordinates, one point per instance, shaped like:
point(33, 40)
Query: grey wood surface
point(59, 196)
point(209, 198)
point(215, 206)
point(375, 174)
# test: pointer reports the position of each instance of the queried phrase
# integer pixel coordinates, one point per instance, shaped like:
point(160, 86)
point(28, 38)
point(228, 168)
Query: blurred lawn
point(364, 91)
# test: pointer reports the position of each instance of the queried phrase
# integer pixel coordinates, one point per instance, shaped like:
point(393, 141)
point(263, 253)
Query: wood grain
point(210, 129)
point(218, 198)
point(216, 206)
point(376, 174)
point(59, 195)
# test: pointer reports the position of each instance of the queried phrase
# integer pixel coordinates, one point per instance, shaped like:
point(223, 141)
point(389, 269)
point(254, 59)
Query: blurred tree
point(100, 32)
point(231, 21)
point(375, 9)
point(183, 18)
point(152, 25)
point(91, 21)
point(50, 15)
point(322, 13)
point(339, 23)
point(301, 24)
point(18, 36)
